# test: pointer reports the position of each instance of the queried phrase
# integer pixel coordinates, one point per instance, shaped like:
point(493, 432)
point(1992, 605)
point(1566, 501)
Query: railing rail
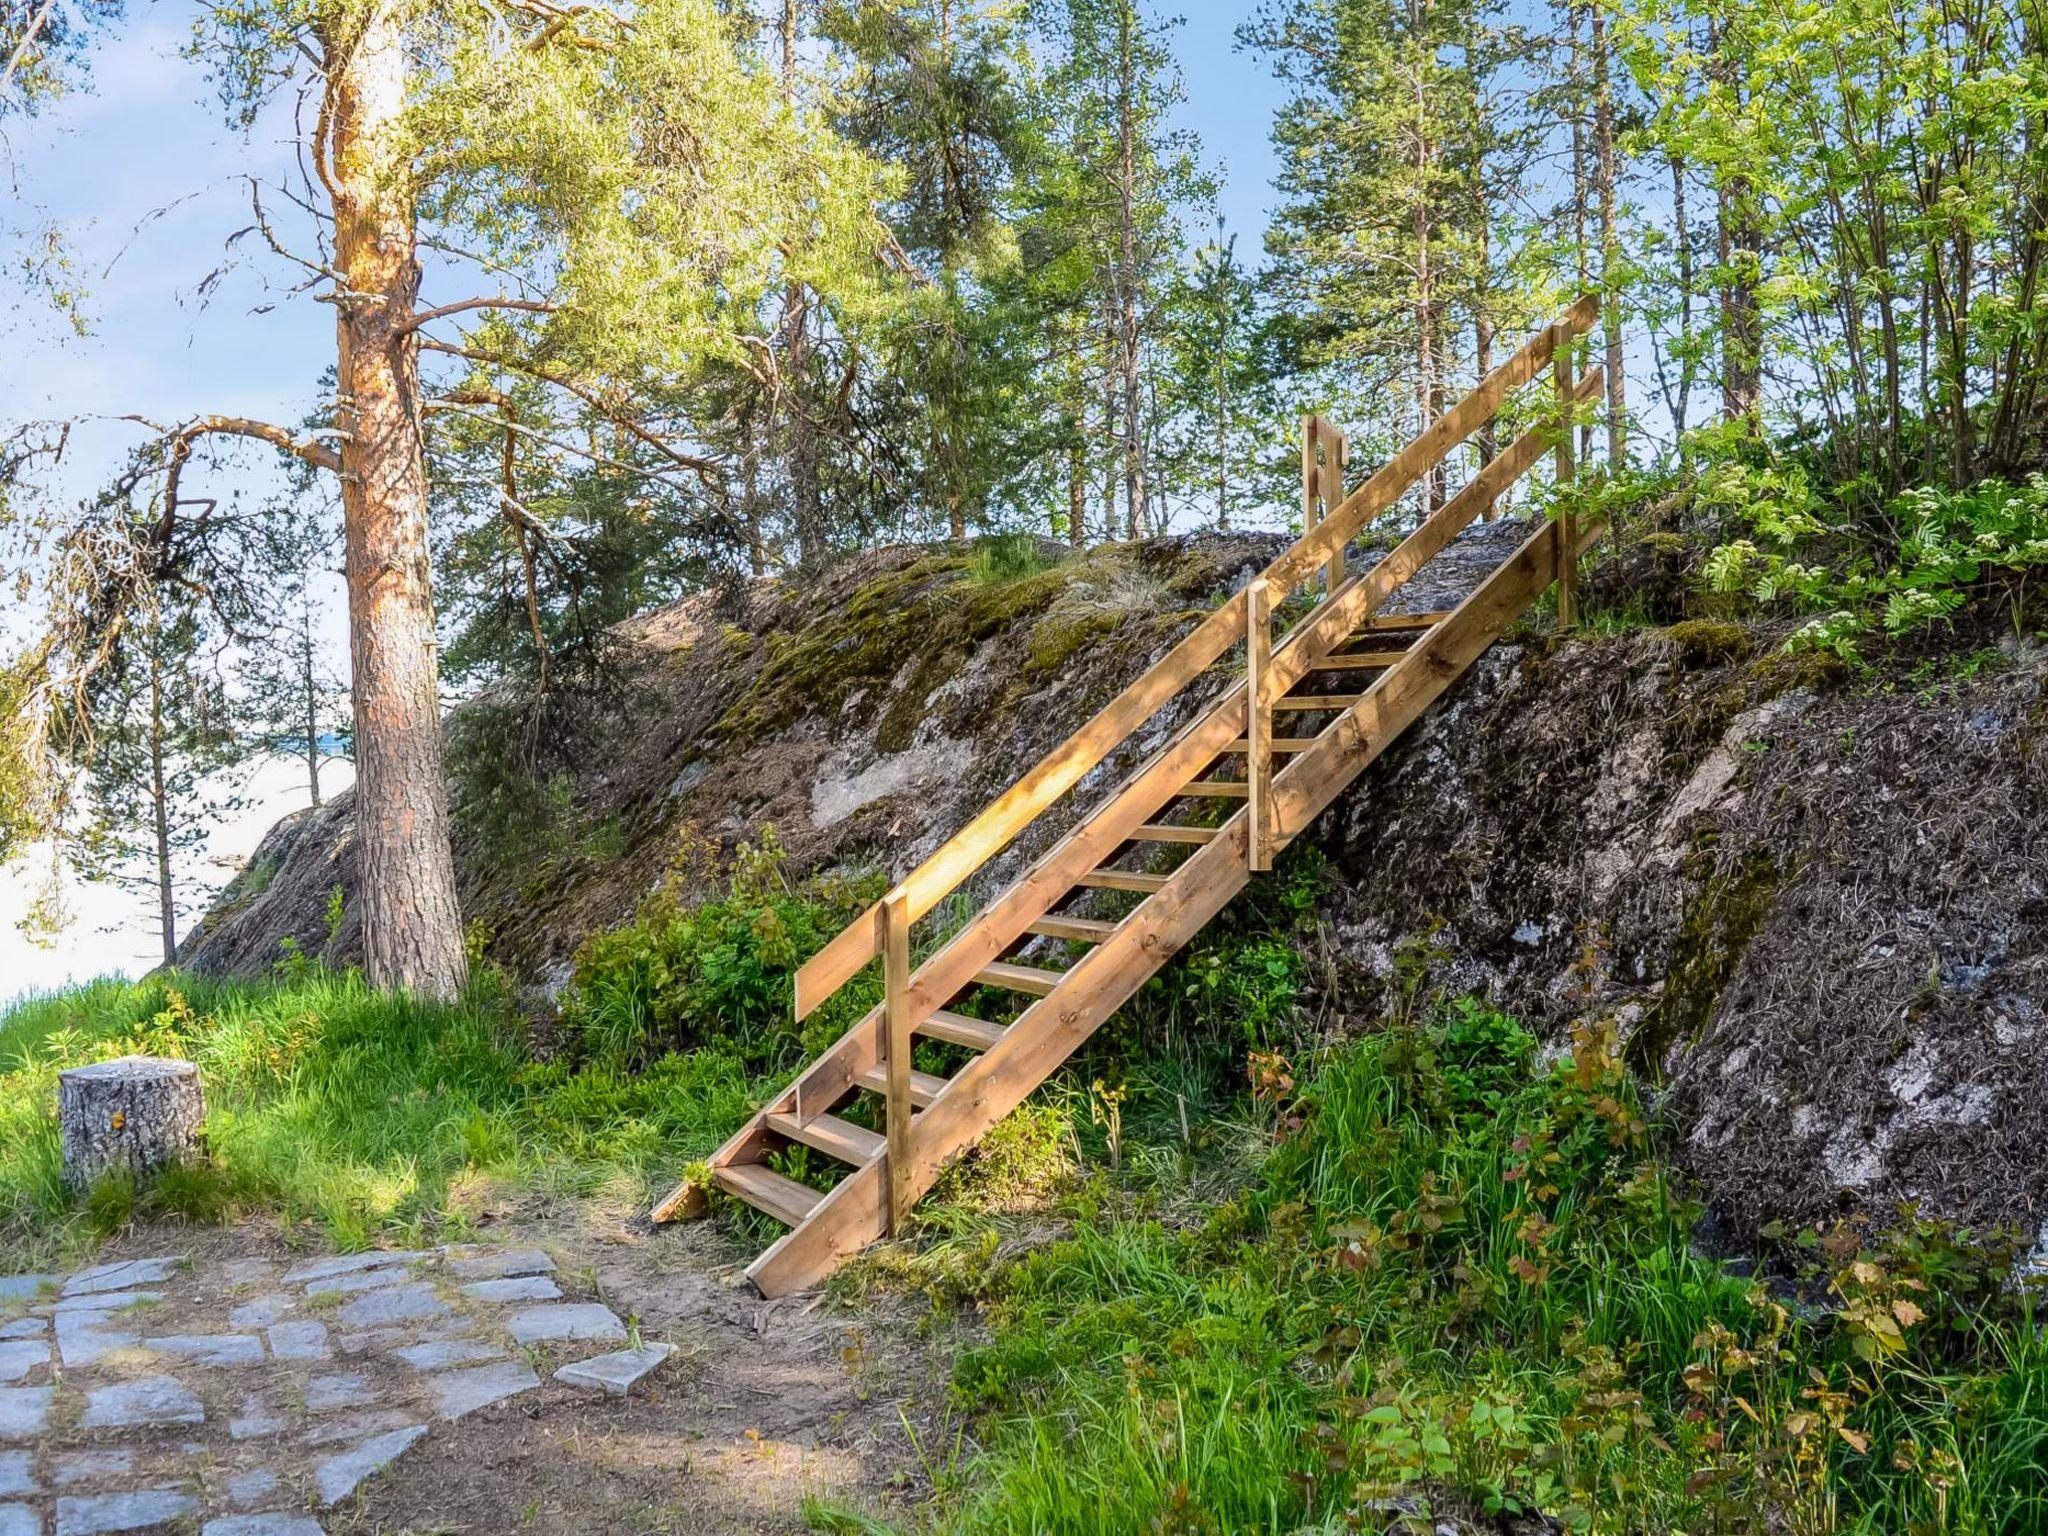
point(1320, 546)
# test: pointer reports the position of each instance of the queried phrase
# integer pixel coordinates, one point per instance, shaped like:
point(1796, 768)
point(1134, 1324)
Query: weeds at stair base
point(1461, 1287)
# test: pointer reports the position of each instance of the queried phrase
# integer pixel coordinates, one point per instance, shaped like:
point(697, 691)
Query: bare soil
point(763, 1405)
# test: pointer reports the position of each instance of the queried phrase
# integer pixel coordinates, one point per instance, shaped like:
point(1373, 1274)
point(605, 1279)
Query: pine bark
point(800, 433)
point(1736, 240)
point(160, 817)
point(1606, 172)
point(412, 926)
point(1127, 254)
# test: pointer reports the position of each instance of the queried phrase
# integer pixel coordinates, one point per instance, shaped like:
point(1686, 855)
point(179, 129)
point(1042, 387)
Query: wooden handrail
point(997, 826)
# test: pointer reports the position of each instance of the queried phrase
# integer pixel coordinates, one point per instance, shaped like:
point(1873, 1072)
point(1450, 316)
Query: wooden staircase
point(1342, 685)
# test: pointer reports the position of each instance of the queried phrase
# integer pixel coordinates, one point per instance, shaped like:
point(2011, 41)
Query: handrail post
point(1258, 723)
point(1323, 451)
point(1567, 521)
point(895, 946)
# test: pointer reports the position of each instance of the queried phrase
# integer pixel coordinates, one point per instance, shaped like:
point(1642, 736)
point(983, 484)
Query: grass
point(368, 1116)
point(1458, 1285)
point(1435, 1278)
point(363, 1115)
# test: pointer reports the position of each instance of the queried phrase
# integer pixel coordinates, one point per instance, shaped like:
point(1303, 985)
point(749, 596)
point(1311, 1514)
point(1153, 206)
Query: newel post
point(895, 920)
point(1258, 723)
point(1323, 451)
point(1567, 529)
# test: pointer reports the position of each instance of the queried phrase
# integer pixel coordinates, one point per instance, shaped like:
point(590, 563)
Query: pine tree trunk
point(1610, 239)
point(1127, 252)
point(800, 433)
point(309, 692)
point(412, 927)
point(1681, 224)
point(160, 818)
point(1077, 489)
point(1426, 388)
point(1736, 240)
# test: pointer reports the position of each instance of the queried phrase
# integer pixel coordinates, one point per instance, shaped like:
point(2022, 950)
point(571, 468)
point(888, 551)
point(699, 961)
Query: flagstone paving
point(243, 1398)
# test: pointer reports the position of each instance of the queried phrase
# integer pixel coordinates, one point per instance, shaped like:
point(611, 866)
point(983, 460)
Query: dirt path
point(761, 1405)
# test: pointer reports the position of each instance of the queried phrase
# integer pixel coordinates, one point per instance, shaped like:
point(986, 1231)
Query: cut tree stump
point(134, 1112)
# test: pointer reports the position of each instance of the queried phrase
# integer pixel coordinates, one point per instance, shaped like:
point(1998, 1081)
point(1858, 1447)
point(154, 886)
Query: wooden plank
point(896, 1053)
point(1308, 784)
point(960, 1029)
point(1316, 702)
point(1122, 880)
point(1018, 978)
point(685, 1202)
point(1085, 929)
point(924, 1087)
point(1166, 832)
point(853, 1215)
point(1397, 623)
point(842, 1139)
point(1277, 744)
point(766, 1190)
point(1258, 721)
point(1219, 789)
point(1356, 661)
point(998, 825)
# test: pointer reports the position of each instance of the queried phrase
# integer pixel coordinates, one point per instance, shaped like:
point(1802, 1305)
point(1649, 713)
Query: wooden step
point(1279, 744)
point(1217, 789)
point(1018, 978)
point(766, 1190)
point(923, 1086)
point(1160, 832)
point(1086, 929)
point(1318, 701)
point(843, 1139)
point(1399, 622)
point(1122, 880)
point(1357, 661)
point(959, 1029)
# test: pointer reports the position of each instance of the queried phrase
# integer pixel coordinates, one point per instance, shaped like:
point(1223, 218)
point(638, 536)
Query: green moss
point(1709, 642)
point(1716, 930)
point(1782, 671)
point(931, 612)
point(1056, 639)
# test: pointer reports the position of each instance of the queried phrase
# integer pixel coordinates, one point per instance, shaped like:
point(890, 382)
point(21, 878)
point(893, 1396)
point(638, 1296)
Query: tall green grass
point(363, 1115)
point(1463, 1285)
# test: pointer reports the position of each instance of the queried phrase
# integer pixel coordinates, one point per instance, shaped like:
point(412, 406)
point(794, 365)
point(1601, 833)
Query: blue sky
point(146, 183)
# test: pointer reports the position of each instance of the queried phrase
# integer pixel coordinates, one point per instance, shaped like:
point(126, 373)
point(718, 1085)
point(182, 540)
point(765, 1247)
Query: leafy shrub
point(721, 972)
point(1936, 547)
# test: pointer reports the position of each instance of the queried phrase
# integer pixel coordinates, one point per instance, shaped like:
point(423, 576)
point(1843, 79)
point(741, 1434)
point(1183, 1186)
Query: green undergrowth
point(369, 1117)
point(1461, 1283)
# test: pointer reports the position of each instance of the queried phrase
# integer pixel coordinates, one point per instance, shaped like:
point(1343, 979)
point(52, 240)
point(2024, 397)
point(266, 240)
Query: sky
point(147, 183)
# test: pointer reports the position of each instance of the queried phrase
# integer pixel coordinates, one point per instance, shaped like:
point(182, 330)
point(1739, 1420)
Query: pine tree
point(162, 730)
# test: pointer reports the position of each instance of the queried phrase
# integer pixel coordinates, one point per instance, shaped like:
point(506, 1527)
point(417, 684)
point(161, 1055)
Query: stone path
point(243, 1398)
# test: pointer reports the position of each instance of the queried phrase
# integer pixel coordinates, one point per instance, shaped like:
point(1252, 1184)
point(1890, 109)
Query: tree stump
point(135, 1112)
